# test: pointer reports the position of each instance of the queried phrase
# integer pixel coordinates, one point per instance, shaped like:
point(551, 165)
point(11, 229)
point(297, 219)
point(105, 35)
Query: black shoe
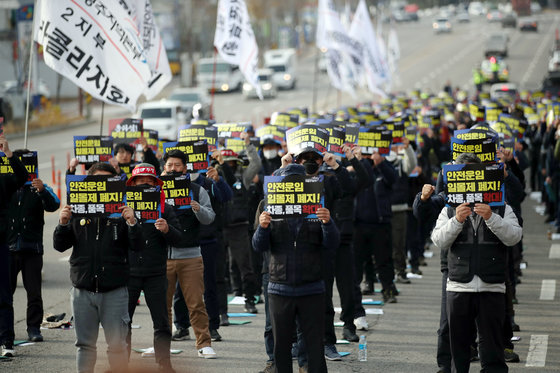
point(250, 306)
point(416, 271)
point(389, 296)
point(269, 367)
point(7, 350)
point(474, 354)
point(422, 262)
point(510, 356)
point(349, 335)
point(216, 337)
point(181, 334)
point(396, 292)
point(402, 279)
point(35, 336)
point(224, 320)
point(368, 288)
point(515, 327)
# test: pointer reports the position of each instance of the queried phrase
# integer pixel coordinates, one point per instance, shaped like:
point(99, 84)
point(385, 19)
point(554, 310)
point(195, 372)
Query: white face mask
point(270, 154)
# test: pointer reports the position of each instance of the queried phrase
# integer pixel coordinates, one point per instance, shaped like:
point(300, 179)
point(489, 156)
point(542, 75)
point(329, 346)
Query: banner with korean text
point(293, 195)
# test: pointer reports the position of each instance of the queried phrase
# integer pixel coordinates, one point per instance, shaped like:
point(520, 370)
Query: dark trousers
point(487, 309)
point(180, 310)
point(6, 298)
point(375, 239)
point(344, 274)
point(268, 337)
point(398, 240)
point(414, 240)
point(310, 311)
point(30, 266)
point(328, 277)
point(155, 293)
point(221, 268)
point(443, 347)
point(237, 239)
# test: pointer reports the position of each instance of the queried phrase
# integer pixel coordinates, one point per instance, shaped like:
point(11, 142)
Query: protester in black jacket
point(99, 272)
point(9, 184)
point(148, 269)
point(26, 209)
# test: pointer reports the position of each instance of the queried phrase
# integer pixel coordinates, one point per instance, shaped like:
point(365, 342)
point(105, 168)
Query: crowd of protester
point(372, 232)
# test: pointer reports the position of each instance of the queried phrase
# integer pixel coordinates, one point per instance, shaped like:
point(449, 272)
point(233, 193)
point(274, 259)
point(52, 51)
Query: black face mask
point(176, 173)
point(311, 167)
point(144, 185)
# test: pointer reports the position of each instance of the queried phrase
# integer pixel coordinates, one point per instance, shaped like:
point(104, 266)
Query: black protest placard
point(504, 129)
point(177, 190)
point(145, 201)
point(307, 137)
point(516, 124)
point(411, 133)
point(92, 149)
point(337, 137)
point(231, 134)
point(396, 127)
point(196, 152)
point(474, 183)
point(126, 130)
point(484, 149)
point(375, 139)
point(276, 133)
point(352, 132)
point(285, 120)
point(152, 139)
point(293, 195)
point(477, 112)
point(95, 195)
point(471, 134)
point(127, 169)
point(196, 132)
point(491, 114)
point(28, 159)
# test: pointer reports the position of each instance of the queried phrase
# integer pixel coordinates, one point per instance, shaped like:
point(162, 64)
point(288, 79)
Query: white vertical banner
point(375, 68)
point(235, 41)
point(393, 51)
point(96, 46)
point(141, 13)
point(345, 63)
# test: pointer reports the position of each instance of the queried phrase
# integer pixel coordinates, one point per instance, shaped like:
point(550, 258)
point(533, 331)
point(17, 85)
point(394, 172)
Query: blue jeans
point(6, 298)
point(268, 338)
point(111, 310)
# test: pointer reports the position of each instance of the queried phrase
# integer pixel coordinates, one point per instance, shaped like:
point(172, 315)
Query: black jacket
point(99, 260)
point(151, 260)
point(8, 186)
point(26, 210)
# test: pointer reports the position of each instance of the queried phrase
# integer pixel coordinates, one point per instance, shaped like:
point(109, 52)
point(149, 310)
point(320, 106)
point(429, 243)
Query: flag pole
point(31, 45)
point(213, 84)
point(315, 68)
point(102, 115)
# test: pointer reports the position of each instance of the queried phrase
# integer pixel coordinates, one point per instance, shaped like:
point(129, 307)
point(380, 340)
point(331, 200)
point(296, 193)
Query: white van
point(476, 8)
point(228, 77)
point(163, 116)
point(283, 63)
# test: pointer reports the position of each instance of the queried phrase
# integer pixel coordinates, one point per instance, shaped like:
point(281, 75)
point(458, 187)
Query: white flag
point(95, 45)
point(375, 68)
point(331, 35)
point(154, 50)
point(235, 41)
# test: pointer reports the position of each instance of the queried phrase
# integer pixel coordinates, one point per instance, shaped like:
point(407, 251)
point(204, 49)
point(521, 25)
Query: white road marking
point(554, 251)
point(545, 41)
point(548, 289)
point(537, 351)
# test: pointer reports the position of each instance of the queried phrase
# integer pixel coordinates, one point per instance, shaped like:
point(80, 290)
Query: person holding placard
point(148, 268)
point(184, 262)
point(99, 272)
point(476, 239)
point(25, 237)
point(296, 288)
point(9, 184)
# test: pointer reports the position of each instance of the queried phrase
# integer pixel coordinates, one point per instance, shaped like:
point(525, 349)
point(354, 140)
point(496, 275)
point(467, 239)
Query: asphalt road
point(403, 339)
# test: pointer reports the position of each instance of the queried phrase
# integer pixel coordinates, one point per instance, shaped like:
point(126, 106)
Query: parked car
point(494, 16)
point(463, 17)
point(283, 62)
point(554, 62)
point(195, 102)
point(551, 83)
point(266, 82)
point(164, 116)
point(501, 90)
point(441, 25)
point(509, 20)
point(528, 24)
point(496, 45)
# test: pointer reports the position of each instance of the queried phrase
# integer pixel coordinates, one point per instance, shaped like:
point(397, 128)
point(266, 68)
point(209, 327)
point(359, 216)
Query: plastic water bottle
point(362, 348)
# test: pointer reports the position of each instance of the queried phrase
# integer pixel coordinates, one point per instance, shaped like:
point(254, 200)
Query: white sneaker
point(8, 351)
point(207, 353)
point(361, 323)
